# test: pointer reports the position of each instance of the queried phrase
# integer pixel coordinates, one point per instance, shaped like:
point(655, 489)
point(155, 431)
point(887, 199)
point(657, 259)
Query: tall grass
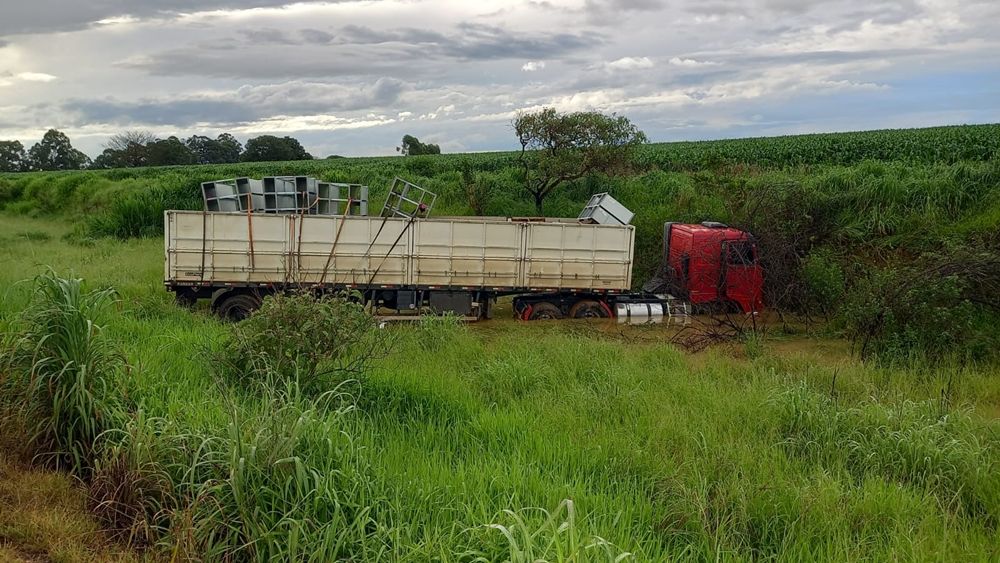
point(65, 368)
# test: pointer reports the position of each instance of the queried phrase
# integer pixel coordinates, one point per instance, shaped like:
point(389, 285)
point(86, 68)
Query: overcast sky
point(351, 77)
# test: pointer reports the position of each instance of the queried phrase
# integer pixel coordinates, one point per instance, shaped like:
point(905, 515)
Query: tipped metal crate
point(290, 194)
point(221, 195)
point(342, 199)
point(408, 200)
point(605, 210)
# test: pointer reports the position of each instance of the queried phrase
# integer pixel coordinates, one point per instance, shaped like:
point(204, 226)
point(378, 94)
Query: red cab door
point(742, 279)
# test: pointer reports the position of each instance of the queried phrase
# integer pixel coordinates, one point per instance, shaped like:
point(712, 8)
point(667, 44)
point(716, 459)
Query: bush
point(317, 341)
point(824, 281)
point(932, 309)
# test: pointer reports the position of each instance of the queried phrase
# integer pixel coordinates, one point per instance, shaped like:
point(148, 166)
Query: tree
point(558, 148)
point(271, 148)
point(223, 149)
point(168, 152)
point(55, 152)
point(229, 148)
point(110, 158)
point(12, 157)
point(411, 146)
point(128, 149)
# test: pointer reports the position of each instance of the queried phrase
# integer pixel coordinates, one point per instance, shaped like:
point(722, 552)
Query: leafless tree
point(126, 139)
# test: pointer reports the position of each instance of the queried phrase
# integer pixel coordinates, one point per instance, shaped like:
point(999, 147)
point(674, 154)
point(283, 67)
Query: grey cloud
point(247, 104)
point(623, 5)
point(797, 11)
point(355, 50)
point(717, 8)
point(488, 42)
point(268, 35)
point(265, 62)
point(316, 36)
point(607, 12)
point(470, 41)
point(303, 98)
point(182, 113)
point(41, 16)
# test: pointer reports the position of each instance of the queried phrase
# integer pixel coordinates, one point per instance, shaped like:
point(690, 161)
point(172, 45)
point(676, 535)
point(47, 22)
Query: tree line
point(132, 149)
point(136, 148)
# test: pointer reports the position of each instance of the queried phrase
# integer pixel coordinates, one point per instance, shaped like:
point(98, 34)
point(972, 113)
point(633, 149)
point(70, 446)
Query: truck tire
point(237, 306)
point(545, 311)
point(588, 309)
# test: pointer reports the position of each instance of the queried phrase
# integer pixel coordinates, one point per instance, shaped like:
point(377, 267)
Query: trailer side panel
point(491, 254)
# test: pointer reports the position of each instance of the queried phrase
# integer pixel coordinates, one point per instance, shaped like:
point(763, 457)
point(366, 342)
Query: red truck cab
point(713, 263)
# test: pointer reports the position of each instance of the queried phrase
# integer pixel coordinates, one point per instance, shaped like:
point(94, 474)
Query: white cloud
point(117, 20)
point(677, 61)
point(35, 77)
point(532, 66)
point(629, 63)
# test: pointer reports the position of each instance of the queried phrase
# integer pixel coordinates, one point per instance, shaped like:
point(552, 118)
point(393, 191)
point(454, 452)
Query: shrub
point(315, 340)
point(929, 309)
point(824, 281)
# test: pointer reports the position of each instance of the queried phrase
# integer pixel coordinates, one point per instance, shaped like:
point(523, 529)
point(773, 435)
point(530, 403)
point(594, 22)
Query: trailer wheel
point(588, 309)
point(545, 311)
point(237, 306)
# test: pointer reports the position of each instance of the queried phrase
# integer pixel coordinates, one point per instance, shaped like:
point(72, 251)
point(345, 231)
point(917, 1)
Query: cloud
point(605, 12)
point(353, 50)
point(532, 66)
point(678, 61)
point(35, 76)
point(42, 16)
point(248, 104)
point(629, 63)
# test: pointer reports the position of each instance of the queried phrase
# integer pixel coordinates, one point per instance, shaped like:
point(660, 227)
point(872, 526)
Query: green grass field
point(513, 441)
point(510, 441)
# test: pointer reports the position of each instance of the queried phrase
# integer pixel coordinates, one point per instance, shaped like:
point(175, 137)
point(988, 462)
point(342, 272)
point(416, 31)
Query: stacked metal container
point(341, 199)
point(285, 194)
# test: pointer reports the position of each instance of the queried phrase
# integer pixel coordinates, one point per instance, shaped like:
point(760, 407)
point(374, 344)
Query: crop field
point(503, 440)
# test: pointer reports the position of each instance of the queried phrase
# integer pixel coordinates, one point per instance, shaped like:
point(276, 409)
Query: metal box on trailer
point(605, 210)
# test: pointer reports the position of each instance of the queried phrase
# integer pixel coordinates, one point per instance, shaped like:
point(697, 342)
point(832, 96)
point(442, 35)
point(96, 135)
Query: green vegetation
point(465, 441)
point(853, 207)
point(522, 441)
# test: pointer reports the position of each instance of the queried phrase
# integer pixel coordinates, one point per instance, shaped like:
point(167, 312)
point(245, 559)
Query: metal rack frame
point(407, 200)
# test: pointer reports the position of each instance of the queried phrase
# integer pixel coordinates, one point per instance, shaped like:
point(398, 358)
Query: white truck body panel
point(205, 248)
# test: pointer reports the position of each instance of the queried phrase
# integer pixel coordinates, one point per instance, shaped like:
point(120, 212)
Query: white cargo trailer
point(454, 264)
